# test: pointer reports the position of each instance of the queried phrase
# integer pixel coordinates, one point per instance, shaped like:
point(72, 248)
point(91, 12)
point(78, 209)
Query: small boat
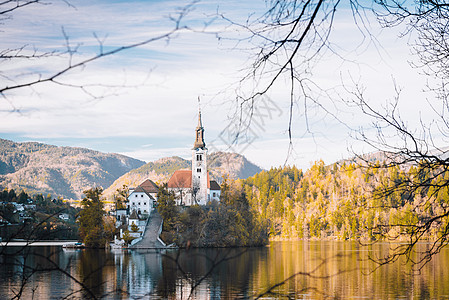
point(115, 246)
point(78, 245)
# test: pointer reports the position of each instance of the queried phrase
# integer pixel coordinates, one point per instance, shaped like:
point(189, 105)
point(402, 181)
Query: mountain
point(68, 171)
point(158, 171)
point(404, 160)
point(234, 165)
point(60, 171)
point(219, 164)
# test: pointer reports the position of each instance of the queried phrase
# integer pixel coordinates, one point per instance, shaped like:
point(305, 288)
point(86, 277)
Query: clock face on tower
point(199, 163)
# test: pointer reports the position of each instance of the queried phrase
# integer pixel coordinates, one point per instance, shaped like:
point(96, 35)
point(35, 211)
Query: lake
point(299, 269)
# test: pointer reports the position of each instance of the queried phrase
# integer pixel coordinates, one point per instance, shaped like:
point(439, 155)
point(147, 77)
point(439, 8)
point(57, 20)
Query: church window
point(144, 203)
point(213, 194)
point(199, 157)
point(198, 170)
point(136, 195)
point(139, 203)
point(141, 196)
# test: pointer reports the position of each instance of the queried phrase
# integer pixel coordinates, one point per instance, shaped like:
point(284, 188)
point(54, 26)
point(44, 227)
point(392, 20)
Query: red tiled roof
point(149, 186)
point(181, 179)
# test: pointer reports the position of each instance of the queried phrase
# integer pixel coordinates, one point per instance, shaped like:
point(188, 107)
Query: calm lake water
point(308, 270)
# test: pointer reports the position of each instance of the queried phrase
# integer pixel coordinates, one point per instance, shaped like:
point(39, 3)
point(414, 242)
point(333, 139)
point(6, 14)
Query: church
point(191, 187)
point(194, 186)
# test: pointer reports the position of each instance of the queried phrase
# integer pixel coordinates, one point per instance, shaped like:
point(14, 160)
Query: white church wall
point(140, 202)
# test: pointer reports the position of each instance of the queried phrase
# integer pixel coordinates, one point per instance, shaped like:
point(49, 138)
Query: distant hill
point(234, 165)
point(219, 164)
point(158, 171)
point(60, 171)
point(390, 157)
point(68, 171)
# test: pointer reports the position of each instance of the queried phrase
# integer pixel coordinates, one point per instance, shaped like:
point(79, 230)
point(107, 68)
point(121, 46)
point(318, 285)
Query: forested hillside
point(228, 223)
point(60, 171)
point(344, 202)
point(36, 217)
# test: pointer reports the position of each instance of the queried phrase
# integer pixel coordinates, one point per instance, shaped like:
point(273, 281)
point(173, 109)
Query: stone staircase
point(150, 238)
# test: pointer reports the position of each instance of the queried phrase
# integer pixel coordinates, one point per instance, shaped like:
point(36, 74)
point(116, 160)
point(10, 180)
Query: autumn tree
point(290, 38)
point(134, 227)
point(91, 219)
point(166, 206)
point(121, 197)
point(127, 237)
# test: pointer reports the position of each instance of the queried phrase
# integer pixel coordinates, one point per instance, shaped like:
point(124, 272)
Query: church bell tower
point(199, 166)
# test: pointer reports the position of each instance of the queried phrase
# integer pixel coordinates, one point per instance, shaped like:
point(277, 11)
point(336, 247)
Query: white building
point(143, 198)
point(64, 217)
point(214, 191)
point(120, 217)
point(138, 222)
point(194, 186)
point(141, 202)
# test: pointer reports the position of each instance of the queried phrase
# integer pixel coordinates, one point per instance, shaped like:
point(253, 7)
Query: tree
point(121, 197)
point(7, 212)
point(134, 227)
point(294, 34)
point(166, 206)
point(91, 219)
point(225, 196)
point(417, 149)
point(12, 195)
point(23, 197)
point(109, 228)
point(127, 237)
point(291, 37)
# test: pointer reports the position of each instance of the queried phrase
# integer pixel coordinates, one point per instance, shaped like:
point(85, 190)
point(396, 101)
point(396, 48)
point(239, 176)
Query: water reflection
point(315, 270)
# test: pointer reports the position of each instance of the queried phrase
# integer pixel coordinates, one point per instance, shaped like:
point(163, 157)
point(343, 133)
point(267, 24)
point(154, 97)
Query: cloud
point(159, 111)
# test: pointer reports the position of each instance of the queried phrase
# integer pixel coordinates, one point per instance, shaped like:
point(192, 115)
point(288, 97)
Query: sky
point(143, 102)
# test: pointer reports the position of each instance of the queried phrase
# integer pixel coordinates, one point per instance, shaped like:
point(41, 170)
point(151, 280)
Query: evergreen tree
point(91, 220)
point(166, 206)
point(121, 197)
point(22, 198)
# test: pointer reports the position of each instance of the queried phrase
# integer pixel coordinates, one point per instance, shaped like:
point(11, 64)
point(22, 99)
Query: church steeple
point(200, 176)
point(199, 132)
point(200, 124)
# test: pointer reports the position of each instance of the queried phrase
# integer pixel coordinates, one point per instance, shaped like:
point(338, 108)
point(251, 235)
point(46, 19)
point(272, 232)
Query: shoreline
point(35, 243)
